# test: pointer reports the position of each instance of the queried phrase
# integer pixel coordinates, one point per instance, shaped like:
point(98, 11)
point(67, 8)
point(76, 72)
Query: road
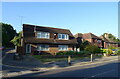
point(109, 69)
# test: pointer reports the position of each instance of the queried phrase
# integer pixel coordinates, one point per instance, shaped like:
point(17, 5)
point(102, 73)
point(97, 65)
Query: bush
point(93, 49)
point(84, 52)
point(60, 53)
point(65, 53)
point(73, 53)
point(107, 51)
point(117, 52)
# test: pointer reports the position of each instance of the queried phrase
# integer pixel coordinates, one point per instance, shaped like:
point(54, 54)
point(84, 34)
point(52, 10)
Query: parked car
point(2, 48)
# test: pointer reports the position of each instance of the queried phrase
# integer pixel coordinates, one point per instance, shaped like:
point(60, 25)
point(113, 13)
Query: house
point(46, 40)
point(108, 42)
point(91, 38)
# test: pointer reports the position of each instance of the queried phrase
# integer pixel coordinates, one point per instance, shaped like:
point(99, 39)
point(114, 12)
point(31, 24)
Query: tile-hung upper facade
point(108, 43)
point(47, 39)
point(91, 38)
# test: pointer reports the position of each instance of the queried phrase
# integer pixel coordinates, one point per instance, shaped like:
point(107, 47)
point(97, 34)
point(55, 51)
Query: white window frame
point(99, 41)
point(47, 35)
point(28, 51)
point(61, 47)
point(39, 47)
point(66, 36)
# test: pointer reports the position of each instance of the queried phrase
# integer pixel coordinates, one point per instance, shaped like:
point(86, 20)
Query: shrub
point(70, 53)
point(93, 49)
point(60, 53)
point(107, 51)
point(73, 53)
point(84, 52)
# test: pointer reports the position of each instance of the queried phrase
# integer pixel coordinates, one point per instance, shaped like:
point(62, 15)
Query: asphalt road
point(99, 70)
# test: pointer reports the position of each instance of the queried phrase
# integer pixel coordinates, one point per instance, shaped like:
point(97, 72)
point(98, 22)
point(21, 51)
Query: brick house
point(46, 39)
point(108, 42)
point(91, 38)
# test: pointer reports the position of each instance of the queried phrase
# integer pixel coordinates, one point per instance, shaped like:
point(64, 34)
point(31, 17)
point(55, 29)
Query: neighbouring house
point(46, 40)
point(91, 38)
point(108, 42)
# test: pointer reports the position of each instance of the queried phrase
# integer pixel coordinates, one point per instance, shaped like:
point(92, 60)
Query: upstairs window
point(43, 35)
point(63, 36)
point(99, 41)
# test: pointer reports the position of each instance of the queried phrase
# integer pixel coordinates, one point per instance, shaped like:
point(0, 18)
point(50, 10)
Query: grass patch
point(55, 59)
point(42, 59)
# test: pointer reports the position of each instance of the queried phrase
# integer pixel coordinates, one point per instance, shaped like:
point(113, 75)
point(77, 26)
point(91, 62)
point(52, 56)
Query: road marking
point(102, 73)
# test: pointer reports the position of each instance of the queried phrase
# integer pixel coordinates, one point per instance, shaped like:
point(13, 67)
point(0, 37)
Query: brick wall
point(53, 49)
point(19, 50)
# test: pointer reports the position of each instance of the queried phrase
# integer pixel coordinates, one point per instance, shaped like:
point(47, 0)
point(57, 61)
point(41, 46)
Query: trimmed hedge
point(73, 53)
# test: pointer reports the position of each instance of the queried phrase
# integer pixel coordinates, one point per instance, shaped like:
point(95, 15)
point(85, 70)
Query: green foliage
point(112, 37)
point(8, 34)
point(118, 52)
point(84, 52)
point(111, 47)
point(17, 39)
point(84, 44)
point(66, 53)
point(73, 53)
point(107, 51)
point(93, 49)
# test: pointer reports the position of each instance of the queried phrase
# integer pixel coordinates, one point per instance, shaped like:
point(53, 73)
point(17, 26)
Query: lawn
point(54, 59)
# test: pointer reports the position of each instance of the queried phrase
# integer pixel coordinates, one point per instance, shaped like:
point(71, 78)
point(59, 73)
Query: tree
point(112, 47)
point(107, 51)
point(112, 37)
point(84, 44)
point(93, 49)
point(8, 34)
point(17, 39)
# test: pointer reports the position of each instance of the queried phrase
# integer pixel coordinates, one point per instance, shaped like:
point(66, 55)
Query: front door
point(28, 48)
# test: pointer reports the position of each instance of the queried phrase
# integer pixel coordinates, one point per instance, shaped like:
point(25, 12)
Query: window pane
point(63, 47)
point(59, 36)
point(43, 47)
point(43, 35)
point(63, 36)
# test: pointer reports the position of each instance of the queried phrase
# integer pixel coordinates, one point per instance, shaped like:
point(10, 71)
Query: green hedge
point(73, 53)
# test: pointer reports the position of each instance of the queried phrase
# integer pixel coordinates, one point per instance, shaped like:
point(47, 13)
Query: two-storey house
point(91, 38)
point(108, 42)
point(46, 39)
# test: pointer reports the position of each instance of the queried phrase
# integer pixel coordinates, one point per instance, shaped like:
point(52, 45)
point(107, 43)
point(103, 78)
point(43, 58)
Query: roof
point(103, 38)
point(50, 41)
point(87, 36)
point(78, 35)
point(30, 28)
point(29, 35)
point(107, 40)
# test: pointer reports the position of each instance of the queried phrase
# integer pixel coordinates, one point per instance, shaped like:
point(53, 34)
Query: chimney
point(106, 35)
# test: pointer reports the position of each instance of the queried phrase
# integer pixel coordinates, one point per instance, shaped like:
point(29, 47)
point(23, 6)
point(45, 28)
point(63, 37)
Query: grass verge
point(42, 59)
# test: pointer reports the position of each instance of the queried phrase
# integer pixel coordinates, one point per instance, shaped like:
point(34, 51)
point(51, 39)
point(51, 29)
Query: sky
point(78, 17)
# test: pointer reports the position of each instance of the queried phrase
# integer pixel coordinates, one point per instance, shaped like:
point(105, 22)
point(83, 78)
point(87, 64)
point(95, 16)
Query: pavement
point(29, 64)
